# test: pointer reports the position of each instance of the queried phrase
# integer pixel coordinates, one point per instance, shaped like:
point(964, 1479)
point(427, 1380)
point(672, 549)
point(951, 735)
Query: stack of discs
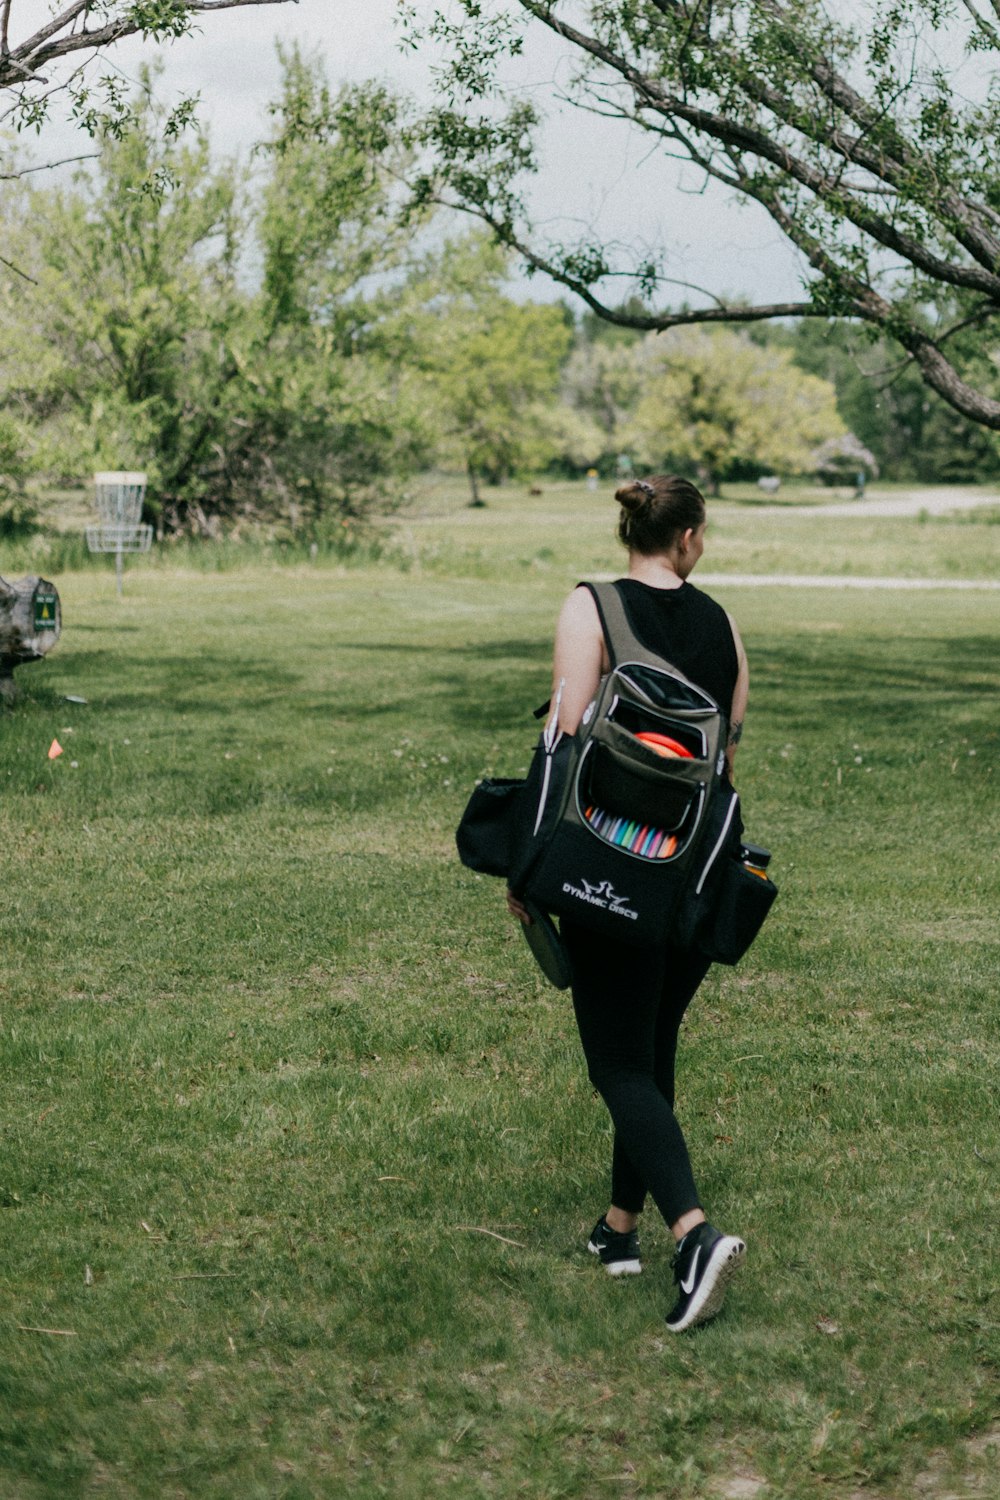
point(665, 746)
point(631, 835)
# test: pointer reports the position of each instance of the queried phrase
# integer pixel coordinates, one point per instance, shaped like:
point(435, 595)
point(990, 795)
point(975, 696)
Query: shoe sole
point(616, 1267)
point(725, 1261)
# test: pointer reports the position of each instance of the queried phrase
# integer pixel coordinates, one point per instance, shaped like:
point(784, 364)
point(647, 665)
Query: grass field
point(299, 1153)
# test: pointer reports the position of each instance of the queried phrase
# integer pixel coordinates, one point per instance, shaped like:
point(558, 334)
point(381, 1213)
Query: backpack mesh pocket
point(625, 784)
point(743, 902)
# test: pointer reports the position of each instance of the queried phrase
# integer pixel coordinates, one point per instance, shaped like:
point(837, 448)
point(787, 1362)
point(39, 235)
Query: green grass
point(564, 532)
point(437, 531)
point(274, 1060)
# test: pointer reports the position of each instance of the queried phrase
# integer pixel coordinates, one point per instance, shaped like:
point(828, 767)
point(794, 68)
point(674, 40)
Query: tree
point(16, 512)
point(493, 364)
point(135, 342)
point(710, 400)
point(910, 430)
point(874, 161)
point(121, 354)
point(330, 372)
point(603, 381)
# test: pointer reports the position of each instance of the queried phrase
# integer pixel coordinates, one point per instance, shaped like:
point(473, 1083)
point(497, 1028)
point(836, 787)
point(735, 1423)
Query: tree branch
point(48, 166)
point(56, 25)
point(905, 158)
point(228, 4)
point(867, 305)
point(17, 270)
point(46, 44)
point(827, 190)
point(644, 322)
point(985, 27)
point(756, 142)
point(980, 315)
point(943, 378)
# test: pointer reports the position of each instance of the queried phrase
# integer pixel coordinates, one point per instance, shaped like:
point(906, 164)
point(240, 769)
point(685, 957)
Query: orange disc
point(665, 746)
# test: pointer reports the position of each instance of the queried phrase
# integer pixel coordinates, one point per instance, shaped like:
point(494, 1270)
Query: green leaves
point(875, 163)
point(158, 19)
point(703, 400)
point(30, 66)
point(493, 365)
point(476, 41)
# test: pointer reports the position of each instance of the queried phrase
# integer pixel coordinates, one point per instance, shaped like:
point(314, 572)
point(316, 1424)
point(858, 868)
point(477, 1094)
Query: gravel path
point(838, 581)
point(936, 502)
point(939, 501)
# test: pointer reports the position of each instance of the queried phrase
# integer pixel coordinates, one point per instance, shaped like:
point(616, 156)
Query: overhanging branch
point(643, 322)
point(52, 41)
point(966, 223)
point(48, 166)
point(729, 132)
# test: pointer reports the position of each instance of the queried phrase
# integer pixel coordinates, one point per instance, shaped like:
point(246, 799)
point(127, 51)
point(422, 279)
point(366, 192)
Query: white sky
point(593, 173)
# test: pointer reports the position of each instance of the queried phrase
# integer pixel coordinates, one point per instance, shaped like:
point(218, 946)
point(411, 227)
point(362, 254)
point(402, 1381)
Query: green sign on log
point(45, 611)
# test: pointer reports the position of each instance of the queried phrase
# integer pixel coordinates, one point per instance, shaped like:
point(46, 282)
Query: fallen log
point(30, 624)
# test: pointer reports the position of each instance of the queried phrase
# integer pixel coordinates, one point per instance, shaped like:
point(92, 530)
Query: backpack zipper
point(718, 845)
point(544, 793)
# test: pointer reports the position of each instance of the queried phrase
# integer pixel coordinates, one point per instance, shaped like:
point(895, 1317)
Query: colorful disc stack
point(633, 837)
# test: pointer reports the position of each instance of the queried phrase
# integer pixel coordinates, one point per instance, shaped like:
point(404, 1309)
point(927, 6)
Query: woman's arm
point(737, 712)
point(580, 657)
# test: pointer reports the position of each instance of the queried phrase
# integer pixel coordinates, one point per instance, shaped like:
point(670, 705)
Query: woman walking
point(629, 1001)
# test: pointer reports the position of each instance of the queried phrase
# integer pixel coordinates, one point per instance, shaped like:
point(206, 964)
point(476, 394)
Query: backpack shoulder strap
point(621, 640)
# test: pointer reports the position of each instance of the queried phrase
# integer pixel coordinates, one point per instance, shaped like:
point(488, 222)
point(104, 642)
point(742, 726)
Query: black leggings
point(629, 1005)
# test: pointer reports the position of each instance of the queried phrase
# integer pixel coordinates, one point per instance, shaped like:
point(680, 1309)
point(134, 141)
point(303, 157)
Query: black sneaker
point(619, 1252)
point(703, 1265)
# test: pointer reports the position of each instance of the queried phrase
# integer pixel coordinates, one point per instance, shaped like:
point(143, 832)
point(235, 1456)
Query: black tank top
point(687, 628)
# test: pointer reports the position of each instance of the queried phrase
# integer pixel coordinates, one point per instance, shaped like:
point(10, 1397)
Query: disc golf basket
point(120, 495)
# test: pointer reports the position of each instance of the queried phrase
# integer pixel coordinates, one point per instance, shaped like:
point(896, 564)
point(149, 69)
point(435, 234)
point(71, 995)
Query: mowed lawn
point(299, 1154)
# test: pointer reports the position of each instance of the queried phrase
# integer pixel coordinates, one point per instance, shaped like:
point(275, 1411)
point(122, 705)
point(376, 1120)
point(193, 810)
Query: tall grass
point(299, 1151)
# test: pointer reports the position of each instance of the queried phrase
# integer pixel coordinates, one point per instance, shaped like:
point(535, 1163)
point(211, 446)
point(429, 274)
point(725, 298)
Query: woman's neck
point(658, 571)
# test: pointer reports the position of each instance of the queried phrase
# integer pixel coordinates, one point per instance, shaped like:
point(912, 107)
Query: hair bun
point(634, 495)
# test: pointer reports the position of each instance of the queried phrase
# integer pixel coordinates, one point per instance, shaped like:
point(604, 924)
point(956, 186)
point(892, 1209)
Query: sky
point(593, 172)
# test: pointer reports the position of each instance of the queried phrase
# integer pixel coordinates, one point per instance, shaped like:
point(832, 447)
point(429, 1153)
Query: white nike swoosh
point(687, 1287)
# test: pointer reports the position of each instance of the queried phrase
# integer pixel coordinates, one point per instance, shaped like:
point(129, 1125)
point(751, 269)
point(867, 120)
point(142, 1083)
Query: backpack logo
point(601, 894)
point(604, 889)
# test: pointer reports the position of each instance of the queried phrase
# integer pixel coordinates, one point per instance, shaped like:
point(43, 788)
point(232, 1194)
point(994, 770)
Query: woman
point(629, 1001)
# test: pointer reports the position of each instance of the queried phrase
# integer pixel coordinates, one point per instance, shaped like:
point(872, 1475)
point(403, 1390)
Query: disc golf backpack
point(628, 826)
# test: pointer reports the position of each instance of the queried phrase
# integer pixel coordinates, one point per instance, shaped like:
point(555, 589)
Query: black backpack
point(623, 823)
point(628, 826)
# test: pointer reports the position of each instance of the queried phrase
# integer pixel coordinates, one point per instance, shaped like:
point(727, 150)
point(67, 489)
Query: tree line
point(290, 340)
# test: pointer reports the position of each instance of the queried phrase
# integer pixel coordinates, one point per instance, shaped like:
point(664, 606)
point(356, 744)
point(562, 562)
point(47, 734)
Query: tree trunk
point(477, 499)
point(709, 480)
